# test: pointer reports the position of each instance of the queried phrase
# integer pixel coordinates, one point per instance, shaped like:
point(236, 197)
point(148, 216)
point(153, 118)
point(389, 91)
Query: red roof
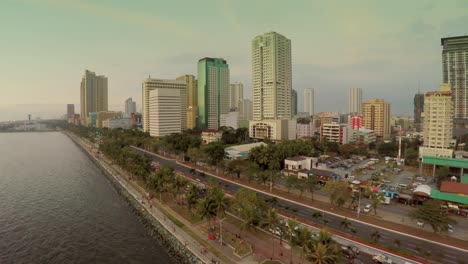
point(454, 187)
point(298, 158)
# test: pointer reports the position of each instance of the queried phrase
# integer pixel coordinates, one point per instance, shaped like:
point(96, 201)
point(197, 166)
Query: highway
point(439, 252)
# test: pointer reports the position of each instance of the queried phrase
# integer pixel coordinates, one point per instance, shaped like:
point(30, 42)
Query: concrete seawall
point(176, 248)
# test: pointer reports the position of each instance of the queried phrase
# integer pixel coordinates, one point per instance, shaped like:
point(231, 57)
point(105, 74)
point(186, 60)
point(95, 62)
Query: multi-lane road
point(440, 252)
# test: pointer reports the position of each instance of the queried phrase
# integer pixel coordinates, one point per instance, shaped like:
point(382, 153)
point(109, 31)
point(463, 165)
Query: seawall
point(176, 249)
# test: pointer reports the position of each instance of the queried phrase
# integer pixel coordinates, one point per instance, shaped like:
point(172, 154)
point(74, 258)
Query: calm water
point(56, 207)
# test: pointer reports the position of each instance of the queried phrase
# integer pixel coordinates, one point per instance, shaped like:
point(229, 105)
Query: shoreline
point(174, 246)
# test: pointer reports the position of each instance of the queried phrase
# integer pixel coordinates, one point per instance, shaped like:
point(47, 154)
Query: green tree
point(311, 184)
point(292, 227)
point(338, 191)
point(324, 250)
point(345, 223)
point(376, 200)
point(431, 213)
point(271, 222)
point(291, 182)
point(215, 152)
point(375, 236)
point(192, 197)
point(248, 206)
point(441, 175)
point(303, 238)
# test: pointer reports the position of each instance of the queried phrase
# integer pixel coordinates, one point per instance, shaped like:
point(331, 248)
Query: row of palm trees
point(212, 204)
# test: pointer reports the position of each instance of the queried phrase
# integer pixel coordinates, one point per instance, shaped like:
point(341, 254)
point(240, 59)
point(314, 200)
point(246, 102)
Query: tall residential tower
point(213, 92)
point(130, 107)
point(293, 102)
point(355, 100)
point(192, 107)
point(455, 73)
point(272, 81)
point(376, 116)
point(93, 93)
point(236, 95)
point(418, 110)
point(309, 101)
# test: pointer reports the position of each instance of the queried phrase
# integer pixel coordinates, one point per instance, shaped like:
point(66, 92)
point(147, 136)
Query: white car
point(367, 208)
point(379, 258)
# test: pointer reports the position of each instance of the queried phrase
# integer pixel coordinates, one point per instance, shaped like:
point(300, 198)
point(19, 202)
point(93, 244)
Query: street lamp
point(221, 230)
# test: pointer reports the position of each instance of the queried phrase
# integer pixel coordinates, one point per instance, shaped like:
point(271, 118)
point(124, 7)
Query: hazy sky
point(384, 47)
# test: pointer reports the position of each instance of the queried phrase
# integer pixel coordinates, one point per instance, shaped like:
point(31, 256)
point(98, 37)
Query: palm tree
point(192, 197)
point(322, 254)
point(303, 239)
point(292, 226)
point(397, 242)
point(345, 223)
point(271, 222)
point(375, 235)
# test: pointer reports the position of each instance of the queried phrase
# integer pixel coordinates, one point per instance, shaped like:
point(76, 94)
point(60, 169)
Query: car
point(379, 258)
point(350, 251)
point(421, 179)
point(367, 208)
point(420, 224)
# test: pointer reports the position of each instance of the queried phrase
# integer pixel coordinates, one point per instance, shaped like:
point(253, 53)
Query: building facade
point(113, 123)
point(70, 110)
point(149, 85)
point(309, 101)
point(165, 111)
point(355, 100)
point(213, 92)
point(363, 136)
point(104, 115)
point(376, 116)
point(93, 95)
point(304, 130)
point(293, 102)
point(191, 101)
point(247, 112)
point(272, 77)
point(355, 121)
point(438, 123)
point(231, 119)
point(455, 73)
point(236, 95)
point(335, 132)
point(130, 107)
point(418, 110)
point(276, 130)
point(211, 135)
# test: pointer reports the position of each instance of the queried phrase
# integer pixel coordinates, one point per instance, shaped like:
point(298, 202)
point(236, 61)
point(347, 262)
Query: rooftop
point(245, 147)
point(454, 187)
point(297, 158)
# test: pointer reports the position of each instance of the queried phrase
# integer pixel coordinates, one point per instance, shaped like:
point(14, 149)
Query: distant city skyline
point(374, 60)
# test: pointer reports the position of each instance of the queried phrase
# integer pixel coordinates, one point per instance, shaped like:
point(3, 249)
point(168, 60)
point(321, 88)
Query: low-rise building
point(241, 151)
point(334, 132)
point(231, 119)
point(305, 130)
point(211, 135)
point(363, 136)
point(298, 163)
point(113, 123)
point(276, 130)
point(104, 115)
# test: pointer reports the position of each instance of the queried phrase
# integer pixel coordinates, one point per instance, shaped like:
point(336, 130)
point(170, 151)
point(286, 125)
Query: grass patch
point(243, 249)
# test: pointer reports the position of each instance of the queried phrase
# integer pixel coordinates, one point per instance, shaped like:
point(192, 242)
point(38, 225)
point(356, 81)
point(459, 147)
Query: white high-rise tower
point(355, 100)
point(272, 82)
point(309, 101)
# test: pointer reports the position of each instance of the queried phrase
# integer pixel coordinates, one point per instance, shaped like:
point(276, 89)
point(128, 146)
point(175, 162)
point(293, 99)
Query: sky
point(390, 49)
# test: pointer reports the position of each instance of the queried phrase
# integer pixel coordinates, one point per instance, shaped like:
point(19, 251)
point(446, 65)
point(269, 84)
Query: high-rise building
point(335, 132)
point(130, 107)
point(70, 110)
point(236, 95)
point(149, 85)
point(418, 110)
point(93, 95)
point(247, 109)
point(272, 81)
point(165, 110)
point(455, 73)
point(293, 102)
point(192, 106)
point(438, 123)
point(355, 100)
point(355, 121)
point(309, 101)
point(376, 116)
point(213, 92)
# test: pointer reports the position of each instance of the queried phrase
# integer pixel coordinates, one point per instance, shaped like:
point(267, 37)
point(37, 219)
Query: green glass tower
point(213, 92)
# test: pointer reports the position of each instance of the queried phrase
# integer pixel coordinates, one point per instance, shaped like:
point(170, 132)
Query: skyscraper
point(93, 95)
point(236, 95)
point(165, 110)
point(376, 116)
point(192, 106)
point(455, 73)
point(213, 92)
point(247, 113)
point(355, 100)
point(149, 85)
point(438, 123)
point(293, 102)
point(130, 107)
point(70, 110)
point(309, 101)
point(272, 82)
point(418, 110)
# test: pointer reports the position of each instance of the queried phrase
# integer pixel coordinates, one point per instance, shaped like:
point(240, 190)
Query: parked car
point(367, 208)
point(379, 258)
point(350, 251)
point(421, 179)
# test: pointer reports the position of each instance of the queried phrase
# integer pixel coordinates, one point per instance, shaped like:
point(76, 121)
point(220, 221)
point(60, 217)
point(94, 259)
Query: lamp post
point(221, 230)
